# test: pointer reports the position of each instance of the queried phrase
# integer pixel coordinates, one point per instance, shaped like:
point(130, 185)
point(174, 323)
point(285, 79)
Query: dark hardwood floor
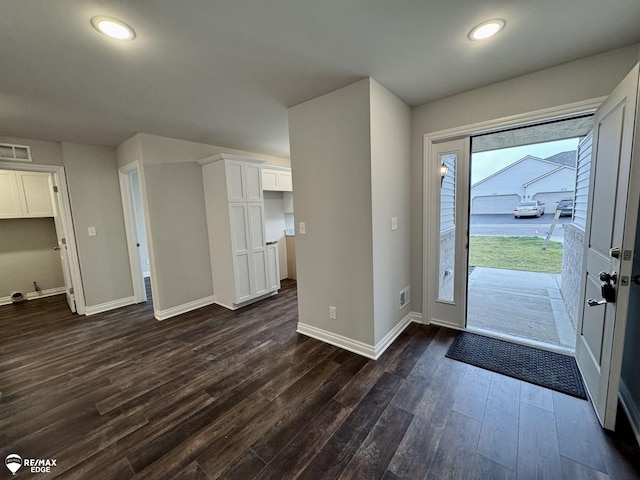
point(240, 395)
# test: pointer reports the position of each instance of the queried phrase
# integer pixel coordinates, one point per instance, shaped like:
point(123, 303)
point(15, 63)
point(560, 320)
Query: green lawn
point(515, 253)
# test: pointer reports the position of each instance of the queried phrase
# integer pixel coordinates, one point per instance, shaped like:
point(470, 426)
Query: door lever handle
point(592, 302)
point(56, 248)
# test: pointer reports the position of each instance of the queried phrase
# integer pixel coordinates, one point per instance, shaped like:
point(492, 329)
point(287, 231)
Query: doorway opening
point(135, 227)
point(38, 254)
point(521, 205)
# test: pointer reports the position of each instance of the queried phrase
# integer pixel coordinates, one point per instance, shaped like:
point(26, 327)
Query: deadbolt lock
point(614, 252)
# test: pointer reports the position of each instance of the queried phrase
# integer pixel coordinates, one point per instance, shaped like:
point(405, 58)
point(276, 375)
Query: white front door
point(614, 195)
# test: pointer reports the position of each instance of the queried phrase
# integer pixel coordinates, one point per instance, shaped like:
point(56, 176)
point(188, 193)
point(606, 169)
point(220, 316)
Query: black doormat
point(540, 367)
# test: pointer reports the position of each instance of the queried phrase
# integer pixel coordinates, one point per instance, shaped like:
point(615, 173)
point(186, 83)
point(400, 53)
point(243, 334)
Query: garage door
point(551, 199)
point(494, 204)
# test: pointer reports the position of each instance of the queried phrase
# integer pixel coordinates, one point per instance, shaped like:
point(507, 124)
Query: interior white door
point(614, 195)
point(62, 248)
point(447, 182)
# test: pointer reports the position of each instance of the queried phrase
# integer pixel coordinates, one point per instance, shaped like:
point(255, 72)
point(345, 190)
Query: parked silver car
point(534, 208)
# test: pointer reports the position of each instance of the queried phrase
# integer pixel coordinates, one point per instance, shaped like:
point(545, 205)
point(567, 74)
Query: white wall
point(390, 186)
point(178, 225)
point(92, 181)
point(42, 152)
point(171, 150)
point(331, 166)
point(274, 226)
point(583, 79)
point(27, 255)
point(173, 202)
point(94, 189)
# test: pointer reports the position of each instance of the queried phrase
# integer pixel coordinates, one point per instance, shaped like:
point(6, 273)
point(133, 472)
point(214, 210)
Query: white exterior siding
point(582, 182)
point(448, 195)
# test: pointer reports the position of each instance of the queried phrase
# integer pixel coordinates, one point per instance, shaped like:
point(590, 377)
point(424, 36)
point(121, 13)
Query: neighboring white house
point(530, 178)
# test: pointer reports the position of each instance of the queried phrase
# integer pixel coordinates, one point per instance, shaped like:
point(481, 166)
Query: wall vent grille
point(17, 153)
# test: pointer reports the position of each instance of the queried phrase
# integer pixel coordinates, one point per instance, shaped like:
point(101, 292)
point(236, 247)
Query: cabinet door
point(236, 184)
point(258, 248)
point(274, 267)
point(284, 182)
point(35, 194)
point(269, 179)
point(240, 243)
point(253, 181)
point(9, 196)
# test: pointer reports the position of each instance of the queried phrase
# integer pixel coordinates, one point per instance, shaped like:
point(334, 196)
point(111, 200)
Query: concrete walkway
point(519, 305)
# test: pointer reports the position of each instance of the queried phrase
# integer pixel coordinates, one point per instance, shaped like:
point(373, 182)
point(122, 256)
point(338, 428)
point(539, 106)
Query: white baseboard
point(50, 292)
point(355, 346)
point(184, 308)
point(103, 307)
point(388, 339)
point(631, 409)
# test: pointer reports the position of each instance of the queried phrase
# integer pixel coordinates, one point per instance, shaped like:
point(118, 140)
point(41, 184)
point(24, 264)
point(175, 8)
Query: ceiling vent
point(18, 153)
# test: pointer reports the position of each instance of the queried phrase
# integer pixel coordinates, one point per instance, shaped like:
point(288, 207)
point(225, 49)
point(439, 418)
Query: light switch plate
point(302, 228)
point(394, 223)
point(92, 231)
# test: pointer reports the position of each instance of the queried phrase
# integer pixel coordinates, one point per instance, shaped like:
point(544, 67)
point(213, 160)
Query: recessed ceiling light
point(486, 29)
point(114, 28)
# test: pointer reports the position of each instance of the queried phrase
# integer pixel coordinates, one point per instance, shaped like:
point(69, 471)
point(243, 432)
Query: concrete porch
point(517, 305)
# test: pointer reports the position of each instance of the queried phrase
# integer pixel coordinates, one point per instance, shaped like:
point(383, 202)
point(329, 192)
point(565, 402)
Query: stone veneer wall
point(572, 270)
point(447, 259)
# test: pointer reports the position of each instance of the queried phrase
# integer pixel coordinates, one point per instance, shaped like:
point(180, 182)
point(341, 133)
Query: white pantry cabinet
point(25, 194)
point(277, 179)
point(235, 223)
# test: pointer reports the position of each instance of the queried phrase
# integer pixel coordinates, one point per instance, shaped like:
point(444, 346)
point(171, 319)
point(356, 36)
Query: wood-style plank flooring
point(240, 395)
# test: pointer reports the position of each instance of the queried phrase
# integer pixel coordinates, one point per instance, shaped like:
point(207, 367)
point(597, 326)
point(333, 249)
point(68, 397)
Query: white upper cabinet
point(36, 200)
point(25, 194)
point(244, 182)
point(277, 179)
point(9, 197)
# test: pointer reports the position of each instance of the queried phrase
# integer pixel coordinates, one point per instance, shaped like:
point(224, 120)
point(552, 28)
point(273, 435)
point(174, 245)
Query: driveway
point(507, 226)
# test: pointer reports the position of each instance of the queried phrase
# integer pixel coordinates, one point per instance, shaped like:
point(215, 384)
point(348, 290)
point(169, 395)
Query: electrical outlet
point(332, 313)
point(403, 298)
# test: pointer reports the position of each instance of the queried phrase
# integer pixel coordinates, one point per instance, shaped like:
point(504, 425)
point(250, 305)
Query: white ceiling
point(225, 71)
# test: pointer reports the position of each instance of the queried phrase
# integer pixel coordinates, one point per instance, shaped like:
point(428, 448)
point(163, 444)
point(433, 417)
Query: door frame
point(135, 265)
point(66, 220)
point(430, 179)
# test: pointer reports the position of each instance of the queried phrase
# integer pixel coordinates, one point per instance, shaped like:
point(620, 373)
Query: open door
point(614, 195)
point(134, 228)
point(62, 248)
point(448, 192)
